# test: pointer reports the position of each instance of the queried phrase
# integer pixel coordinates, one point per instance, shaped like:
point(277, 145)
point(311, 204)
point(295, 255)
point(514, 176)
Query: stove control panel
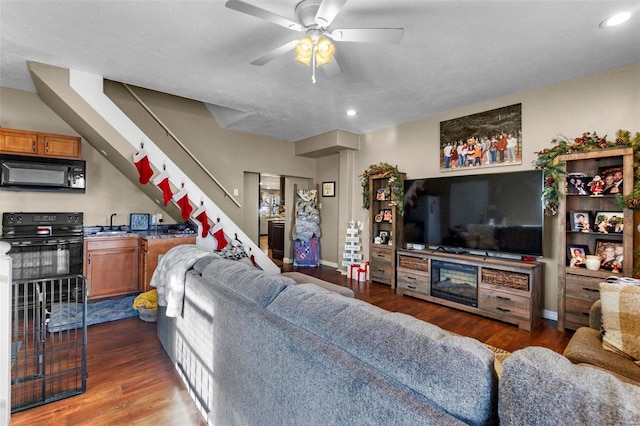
point(14, 219)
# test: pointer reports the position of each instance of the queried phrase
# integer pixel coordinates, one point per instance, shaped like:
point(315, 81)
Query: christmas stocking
point(141, 161)
point(162, 180)
point(182, 200)
point(218, 233)
point(201, 216)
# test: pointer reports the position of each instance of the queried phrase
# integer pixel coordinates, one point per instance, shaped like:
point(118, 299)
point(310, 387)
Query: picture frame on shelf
point(611, 254)
point(613, 179)
point(378, 217)
point(609, 222)
point(578, 183)
point(580, 221)
point(384, 237)
point(577, 255)
point(383, 194)
point(387, 216)
point(329, 189)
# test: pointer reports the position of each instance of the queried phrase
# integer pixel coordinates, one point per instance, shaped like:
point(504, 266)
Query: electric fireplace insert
point(455, 282)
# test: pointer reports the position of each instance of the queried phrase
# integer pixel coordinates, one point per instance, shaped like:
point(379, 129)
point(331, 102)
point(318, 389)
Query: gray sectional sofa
point(258, 349)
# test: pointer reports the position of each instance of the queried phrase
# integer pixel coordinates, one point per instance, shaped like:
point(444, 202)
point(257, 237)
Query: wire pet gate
point(47, 364)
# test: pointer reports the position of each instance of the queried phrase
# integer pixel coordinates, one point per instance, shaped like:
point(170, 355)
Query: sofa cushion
point(539, 386)
point(301, 278)
point(621, 318)
point(452, 371)
point(245, 280)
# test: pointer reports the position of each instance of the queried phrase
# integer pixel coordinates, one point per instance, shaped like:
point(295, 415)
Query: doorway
point(271, 215)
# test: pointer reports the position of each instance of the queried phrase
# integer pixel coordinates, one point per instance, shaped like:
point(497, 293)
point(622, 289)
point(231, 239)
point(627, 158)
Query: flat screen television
point(481, 214)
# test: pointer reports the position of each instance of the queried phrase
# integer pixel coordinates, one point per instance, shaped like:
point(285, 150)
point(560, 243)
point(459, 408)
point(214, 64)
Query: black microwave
point(26, 173)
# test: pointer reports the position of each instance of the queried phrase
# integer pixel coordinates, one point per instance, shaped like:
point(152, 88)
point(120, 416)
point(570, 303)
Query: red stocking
point(141, 161)
point(218, 233)
point(182, 200)
point(162, 180)
point(201, 216)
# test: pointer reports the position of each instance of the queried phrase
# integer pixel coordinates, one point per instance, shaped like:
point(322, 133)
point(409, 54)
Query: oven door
point(44, 258)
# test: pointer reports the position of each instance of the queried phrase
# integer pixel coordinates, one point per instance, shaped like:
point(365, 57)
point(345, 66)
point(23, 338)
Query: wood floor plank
point(131, 379)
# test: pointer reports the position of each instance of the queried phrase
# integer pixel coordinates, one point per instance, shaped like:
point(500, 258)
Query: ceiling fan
point(314, 18)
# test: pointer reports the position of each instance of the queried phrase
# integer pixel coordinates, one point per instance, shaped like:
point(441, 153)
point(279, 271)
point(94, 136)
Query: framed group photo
point(578, 184)
point(611, 254)
point(485, 139)
point(609, 222)
point(612, 177)
point(577, 255)
point(580, 221)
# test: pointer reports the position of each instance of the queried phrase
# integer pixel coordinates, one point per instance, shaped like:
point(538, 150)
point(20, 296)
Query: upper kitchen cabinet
point(24, 142)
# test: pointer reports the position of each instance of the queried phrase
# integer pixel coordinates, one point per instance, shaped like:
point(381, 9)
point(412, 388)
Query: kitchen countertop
point(147, 235)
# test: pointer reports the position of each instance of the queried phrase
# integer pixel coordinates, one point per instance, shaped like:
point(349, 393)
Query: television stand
point(502, 289)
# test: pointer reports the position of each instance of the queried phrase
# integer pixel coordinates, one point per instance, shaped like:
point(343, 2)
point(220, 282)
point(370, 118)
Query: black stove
point(44, 245)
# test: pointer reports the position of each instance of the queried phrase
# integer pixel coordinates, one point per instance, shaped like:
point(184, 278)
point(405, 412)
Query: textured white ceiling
point(454, 53)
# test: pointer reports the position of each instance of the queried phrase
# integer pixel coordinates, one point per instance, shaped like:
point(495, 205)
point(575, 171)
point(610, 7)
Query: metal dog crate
point(48, 340)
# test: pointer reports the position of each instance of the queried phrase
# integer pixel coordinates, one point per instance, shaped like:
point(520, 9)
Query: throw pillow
point(621, 318)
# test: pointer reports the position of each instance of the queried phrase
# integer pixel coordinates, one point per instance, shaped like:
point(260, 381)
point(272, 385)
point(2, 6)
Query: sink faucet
point(111, 220)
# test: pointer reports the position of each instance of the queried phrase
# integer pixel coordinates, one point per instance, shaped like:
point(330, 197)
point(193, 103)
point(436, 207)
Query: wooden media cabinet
point(498, 288)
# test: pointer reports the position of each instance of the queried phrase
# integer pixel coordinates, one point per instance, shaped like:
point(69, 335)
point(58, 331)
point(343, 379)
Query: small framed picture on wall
point(328, 189)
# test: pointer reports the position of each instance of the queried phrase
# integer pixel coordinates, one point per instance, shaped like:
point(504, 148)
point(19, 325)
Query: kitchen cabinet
point(150, 251)
point(276, 239)
point(24, 142)
point(111, 265)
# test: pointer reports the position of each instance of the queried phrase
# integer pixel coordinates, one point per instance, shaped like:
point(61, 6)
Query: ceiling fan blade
point(368, 35)
point(271, 55)
point(252, 10)
point(331, 69)
point(327, 12)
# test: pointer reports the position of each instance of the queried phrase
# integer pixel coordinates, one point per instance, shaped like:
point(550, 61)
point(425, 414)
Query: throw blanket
point(147, 300)
point(169, 277)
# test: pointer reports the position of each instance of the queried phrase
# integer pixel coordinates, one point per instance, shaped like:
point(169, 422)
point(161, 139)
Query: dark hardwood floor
point(131, 379)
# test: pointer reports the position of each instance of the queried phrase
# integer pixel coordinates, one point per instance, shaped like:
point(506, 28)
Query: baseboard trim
point(550, 315)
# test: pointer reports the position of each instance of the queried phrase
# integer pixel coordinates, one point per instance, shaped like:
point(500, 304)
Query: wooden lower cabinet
point(505, 290)
point(581, 293)
point(381, 264)
point(150, 251)
point(111, 266)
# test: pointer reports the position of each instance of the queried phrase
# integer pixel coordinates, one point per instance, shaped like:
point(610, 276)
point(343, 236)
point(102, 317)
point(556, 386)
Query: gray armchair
point(585, 347)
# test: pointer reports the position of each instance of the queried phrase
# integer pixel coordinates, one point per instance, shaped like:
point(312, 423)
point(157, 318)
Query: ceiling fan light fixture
point(304, 50)
point(324, 51)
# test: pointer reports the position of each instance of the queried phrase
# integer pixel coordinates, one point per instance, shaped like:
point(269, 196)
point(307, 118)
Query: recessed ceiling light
point(351, 112)
point(616, 19)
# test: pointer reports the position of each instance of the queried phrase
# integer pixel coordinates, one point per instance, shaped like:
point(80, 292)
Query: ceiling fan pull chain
point(313, 63)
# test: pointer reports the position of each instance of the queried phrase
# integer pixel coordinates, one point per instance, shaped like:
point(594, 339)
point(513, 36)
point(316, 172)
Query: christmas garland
point(554, 172)
point(396, 186)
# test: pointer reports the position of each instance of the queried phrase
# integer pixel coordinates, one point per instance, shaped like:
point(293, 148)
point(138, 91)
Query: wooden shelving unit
point(578, 287)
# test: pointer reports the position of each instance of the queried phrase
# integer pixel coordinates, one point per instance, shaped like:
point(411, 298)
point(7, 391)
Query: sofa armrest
point(595, 315)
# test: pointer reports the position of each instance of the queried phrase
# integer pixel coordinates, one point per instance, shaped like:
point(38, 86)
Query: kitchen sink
point(103, 233)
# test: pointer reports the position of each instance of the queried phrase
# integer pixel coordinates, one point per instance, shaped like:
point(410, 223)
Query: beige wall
point(108, 191)
point(329, 171)
point(603, 103)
